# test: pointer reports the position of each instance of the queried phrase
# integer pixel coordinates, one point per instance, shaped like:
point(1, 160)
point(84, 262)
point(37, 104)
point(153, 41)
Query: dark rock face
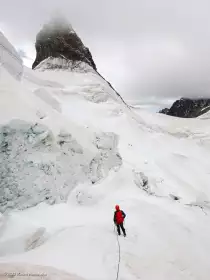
point(58, 42)
point(165, 111)
point(188, 108)
point(57, 39)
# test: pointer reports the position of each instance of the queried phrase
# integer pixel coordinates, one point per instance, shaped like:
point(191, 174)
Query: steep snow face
point(72, 149)
point(9, 58)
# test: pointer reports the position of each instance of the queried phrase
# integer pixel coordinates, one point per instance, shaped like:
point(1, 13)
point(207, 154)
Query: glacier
point(70, 149)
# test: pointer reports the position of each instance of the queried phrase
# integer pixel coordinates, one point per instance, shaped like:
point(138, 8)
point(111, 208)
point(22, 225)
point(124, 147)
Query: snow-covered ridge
point(9, 58)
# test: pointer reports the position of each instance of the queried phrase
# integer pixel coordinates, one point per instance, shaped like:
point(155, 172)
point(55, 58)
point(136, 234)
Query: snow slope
point(9, 58)
point(72, 149)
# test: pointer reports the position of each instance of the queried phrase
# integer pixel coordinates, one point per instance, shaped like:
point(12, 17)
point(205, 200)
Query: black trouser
point(121, 226)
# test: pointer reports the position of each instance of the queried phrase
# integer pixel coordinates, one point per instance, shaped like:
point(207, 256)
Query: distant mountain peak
point(57, 39)
point(188, 108)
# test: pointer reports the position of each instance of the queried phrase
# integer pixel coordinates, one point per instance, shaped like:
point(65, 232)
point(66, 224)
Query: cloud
point(146, 49)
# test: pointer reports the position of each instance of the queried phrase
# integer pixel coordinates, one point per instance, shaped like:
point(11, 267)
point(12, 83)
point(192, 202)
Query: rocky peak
point(188, 108)
point(57, 39)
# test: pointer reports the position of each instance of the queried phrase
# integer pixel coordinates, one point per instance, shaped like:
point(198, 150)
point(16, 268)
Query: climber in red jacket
point(119, 217)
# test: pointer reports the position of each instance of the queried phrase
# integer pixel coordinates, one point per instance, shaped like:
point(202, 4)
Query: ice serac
point(60, 47)
point(9, 58)
point(188, 108)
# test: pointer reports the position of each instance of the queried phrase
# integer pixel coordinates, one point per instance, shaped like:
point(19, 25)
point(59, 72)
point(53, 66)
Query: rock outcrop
point(188, 108)
point(58, 40)
point(58, 47)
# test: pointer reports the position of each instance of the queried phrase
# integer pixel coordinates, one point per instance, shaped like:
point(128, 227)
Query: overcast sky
point(145, 48)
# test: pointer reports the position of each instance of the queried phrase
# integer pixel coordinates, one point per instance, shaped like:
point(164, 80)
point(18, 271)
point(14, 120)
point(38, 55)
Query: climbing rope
point(119, 255)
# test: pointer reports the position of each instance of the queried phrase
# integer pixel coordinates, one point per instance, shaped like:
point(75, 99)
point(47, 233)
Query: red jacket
point(119, 217)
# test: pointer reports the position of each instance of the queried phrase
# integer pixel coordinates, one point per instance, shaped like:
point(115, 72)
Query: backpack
point(119, 217)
